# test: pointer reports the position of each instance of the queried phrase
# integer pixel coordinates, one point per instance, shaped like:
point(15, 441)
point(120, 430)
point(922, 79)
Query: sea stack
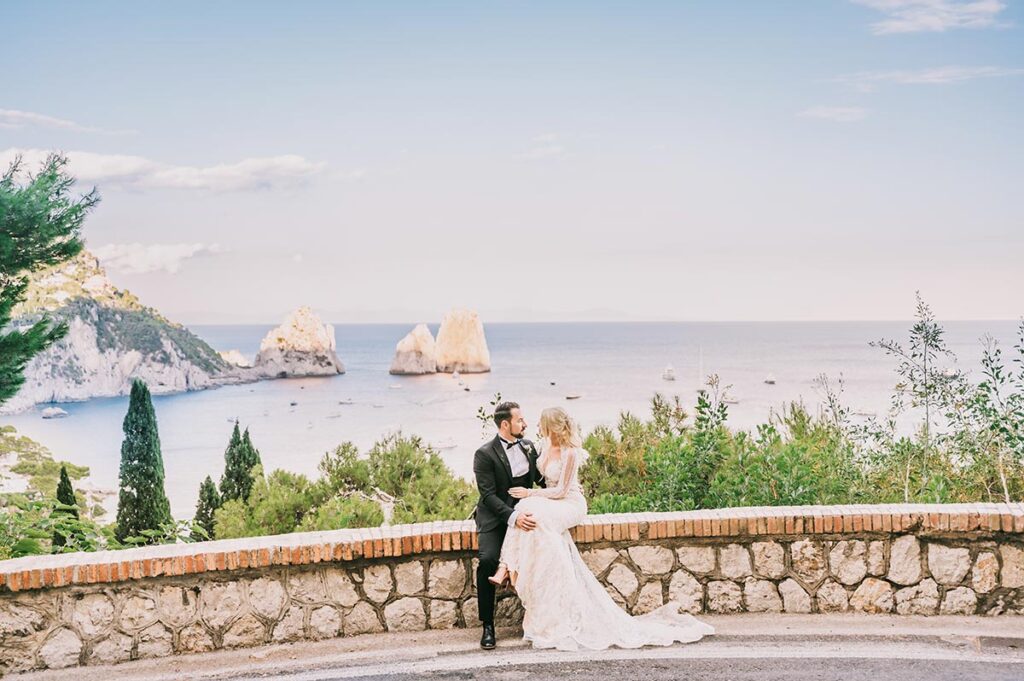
point(302, 346)
point(461, 345)
point(416, 353)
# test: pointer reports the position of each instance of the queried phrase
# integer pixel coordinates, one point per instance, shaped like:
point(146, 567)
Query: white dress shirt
point(520, 467)
point(516, 457)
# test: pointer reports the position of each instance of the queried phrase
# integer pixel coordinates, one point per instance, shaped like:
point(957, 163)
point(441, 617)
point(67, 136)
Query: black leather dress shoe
point(488, 641)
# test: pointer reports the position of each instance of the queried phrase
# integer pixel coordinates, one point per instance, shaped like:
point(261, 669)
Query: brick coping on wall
point(39, 572)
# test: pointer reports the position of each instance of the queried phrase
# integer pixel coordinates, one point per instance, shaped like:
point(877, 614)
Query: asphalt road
point(790, 669)
point(874, 658)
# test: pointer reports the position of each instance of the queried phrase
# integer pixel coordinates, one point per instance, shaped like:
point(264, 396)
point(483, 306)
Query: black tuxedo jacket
point(494, 479)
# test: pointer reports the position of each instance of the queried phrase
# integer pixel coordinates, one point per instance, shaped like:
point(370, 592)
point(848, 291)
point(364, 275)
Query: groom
point(505, 462)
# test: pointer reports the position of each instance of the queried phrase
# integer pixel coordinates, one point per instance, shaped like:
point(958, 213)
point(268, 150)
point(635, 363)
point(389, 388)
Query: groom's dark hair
point(503, 412)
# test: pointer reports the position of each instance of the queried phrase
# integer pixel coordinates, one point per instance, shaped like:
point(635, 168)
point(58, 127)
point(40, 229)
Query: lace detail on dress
point(561, 476)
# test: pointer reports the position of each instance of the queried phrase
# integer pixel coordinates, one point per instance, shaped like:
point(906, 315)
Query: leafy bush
point(968, 445)
point(400, 477)
point(352, 511)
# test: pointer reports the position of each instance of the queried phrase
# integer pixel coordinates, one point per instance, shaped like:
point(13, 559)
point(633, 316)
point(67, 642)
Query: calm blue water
point(614, 366)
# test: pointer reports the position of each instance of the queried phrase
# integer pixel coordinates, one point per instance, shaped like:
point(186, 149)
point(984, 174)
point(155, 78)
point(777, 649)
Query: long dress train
point(566, 607)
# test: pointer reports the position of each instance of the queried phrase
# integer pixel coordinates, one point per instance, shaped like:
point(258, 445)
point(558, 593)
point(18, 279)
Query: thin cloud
point(838, 114)
point(943, 75)
point(13, 118)
point(136, 258)
point(933, 16)
point(544, 146)
point(136, 172)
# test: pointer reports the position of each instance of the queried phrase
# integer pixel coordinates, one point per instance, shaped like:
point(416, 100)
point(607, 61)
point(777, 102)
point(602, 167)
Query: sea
point(594, 370)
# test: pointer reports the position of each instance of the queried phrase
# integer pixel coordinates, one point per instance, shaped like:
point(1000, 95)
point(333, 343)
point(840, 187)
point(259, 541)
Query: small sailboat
point(769, 379)
point(455, 375)
point(669, 374)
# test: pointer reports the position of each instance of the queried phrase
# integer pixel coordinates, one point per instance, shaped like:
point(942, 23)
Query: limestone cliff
point(112, 339)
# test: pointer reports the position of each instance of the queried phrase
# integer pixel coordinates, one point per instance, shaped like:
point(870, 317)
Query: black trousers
point(489, 554)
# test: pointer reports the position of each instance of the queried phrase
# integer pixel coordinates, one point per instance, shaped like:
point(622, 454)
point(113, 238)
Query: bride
point(566, 607)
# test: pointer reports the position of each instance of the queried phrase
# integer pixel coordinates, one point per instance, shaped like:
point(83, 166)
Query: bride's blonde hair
point(559, 428)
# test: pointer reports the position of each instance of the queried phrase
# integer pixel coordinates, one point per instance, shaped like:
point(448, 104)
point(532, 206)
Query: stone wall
point(72, 609)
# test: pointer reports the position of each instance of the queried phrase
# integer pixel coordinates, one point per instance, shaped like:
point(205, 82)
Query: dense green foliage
point(66, 504)
point(209, 502)
point(399, 475)
point(240, 458)
point(142, 503)
point(40, 225)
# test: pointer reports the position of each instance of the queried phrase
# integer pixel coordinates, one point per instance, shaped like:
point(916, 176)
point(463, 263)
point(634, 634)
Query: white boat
point(573, 396)
point(53, 413)
point(455, 374)
point(770, 379)
point(669, 374)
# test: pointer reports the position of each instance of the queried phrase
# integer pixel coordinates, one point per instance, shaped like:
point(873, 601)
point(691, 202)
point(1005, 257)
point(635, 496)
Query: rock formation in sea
point(416, 353)
point(302, 346)
point(112, 338)
point(461, 345)
point(235, 358)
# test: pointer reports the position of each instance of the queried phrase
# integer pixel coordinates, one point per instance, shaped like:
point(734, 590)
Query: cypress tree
point(65, 496)
point(232, 482)
point(239, 459)
point(209, 502)
point(142, 503)
point(252, 456)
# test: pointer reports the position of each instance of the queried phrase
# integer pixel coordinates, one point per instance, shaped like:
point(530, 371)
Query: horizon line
point(629, 321)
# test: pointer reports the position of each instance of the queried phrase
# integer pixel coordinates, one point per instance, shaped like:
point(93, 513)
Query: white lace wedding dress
point(566, 607)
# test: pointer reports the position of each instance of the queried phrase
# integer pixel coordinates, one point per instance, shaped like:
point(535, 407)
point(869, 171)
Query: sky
point(536, 161)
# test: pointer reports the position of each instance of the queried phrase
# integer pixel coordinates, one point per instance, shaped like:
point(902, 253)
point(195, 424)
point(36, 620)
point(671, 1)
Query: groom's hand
point(525, 522)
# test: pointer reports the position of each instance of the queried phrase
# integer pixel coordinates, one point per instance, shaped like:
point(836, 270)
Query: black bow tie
point(510, 445)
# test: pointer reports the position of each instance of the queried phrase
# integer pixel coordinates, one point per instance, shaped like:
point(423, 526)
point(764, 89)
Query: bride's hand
point(519, 492)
